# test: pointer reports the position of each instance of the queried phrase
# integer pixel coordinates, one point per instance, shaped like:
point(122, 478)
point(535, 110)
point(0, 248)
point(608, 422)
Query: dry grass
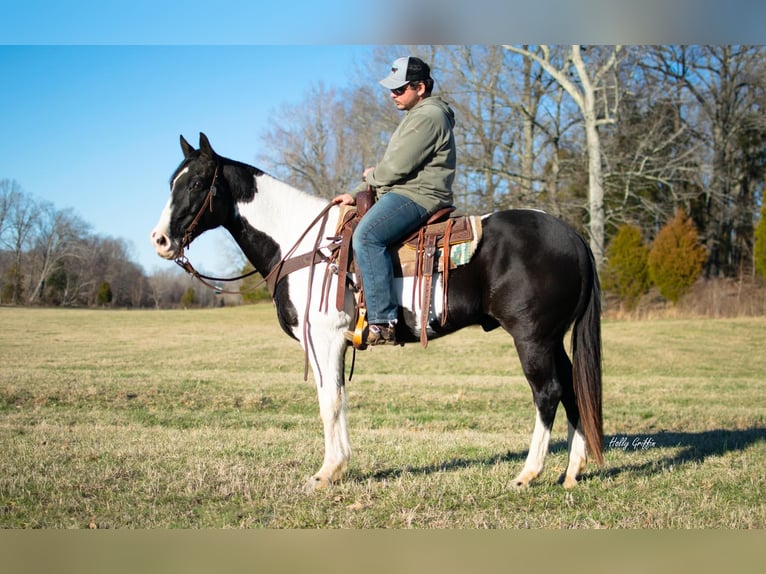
point(708, 298)
point(201, 419)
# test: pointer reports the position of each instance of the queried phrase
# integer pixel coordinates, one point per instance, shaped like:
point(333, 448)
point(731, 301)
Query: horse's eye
point(196, 184)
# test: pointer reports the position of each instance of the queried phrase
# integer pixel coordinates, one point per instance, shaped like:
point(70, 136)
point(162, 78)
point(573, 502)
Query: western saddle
point(423, 253)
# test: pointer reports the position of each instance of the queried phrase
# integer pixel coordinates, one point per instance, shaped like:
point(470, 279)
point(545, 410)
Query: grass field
point(201, 419)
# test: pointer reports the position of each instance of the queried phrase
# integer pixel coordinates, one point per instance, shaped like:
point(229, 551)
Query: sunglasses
point(400, 91)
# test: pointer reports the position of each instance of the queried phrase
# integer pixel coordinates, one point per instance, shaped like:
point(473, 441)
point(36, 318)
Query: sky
point(96, 128)
point(95, 93)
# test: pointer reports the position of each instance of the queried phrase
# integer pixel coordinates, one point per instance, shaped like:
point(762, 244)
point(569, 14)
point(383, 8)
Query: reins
point(276, 271)
point(183, 262)
point(287, 264)
point(208, 202)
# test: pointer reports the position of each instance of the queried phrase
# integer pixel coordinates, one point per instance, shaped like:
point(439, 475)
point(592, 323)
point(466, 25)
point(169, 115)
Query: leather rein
point(183, 262)
point(284, 267)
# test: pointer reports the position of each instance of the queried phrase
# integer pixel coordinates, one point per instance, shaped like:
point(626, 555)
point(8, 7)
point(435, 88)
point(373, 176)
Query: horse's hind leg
point(575, 437)
point(538, 448)
point(538, 364)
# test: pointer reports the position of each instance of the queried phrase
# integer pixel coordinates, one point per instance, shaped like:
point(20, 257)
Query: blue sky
point(95, 128)
point(95, 93)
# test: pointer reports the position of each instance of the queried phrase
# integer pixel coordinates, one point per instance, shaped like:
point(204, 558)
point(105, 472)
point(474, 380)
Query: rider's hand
point(344, 199)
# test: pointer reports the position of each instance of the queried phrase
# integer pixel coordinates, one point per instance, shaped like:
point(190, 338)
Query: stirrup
point(356, 337)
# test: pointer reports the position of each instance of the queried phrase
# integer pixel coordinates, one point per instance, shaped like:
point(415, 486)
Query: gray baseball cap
point(406, 70)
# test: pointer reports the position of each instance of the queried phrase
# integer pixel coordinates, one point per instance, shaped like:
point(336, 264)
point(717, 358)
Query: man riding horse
point(412, 181)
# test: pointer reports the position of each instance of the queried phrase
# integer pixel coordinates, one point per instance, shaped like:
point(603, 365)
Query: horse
point(531, 274)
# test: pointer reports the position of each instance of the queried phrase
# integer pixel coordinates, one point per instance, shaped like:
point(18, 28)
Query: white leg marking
point(578, 455)
point(327, 359)
point(538, 448)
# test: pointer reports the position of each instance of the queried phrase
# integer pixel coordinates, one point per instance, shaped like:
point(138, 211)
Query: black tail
point(586, 366)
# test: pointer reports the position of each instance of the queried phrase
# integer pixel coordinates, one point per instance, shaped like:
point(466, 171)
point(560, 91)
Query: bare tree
point(512, 125)
point(109, 261)
point(651, 158)
point(323, 143)
point(8, 188)
point(48, 255)
point(56, 233)
point(485, 133)
point(162, 283)
point(19, 219)
point(591, 81)
point(167, 286)
point(726, 85)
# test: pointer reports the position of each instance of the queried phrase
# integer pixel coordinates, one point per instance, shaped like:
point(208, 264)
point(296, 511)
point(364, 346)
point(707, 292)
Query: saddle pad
point(346, 213)
point(461, 251)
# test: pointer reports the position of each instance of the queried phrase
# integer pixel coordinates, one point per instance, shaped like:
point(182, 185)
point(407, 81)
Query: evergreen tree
point(626, 272)
point(104, 296)
point(676, 258)
point(189, 298)
point(760, 244)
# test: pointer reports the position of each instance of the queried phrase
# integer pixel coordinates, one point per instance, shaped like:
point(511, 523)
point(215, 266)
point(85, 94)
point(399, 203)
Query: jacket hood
point(441, 104)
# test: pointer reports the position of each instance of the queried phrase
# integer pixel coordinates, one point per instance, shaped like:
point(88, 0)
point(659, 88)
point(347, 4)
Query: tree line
point(50, 256)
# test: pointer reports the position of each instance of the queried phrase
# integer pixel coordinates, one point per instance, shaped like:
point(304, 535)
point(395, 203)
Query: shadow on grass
point(694, 447)
point(448, 466)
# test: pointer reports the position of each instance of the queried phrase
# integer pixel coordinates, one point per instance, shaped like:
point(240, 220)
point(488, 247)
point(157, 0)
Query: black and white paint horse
point(532, 275)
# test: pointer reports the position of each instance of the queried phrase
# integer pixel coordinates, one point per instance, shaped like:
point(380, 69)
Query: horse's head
point(196, 204)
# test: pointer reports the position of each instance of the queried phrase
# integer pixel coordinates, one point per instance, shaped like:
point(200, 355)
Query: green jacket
point(419, 162)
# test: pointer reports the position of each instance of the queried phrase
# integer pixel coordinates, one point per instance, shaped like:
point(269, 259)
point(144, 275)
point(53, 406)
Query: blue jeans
point(391, 218)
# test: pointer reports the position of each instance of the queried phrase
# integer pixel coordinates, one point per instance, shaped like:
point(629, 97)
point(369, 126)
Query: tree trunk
point(595, 188)
point(592, 77)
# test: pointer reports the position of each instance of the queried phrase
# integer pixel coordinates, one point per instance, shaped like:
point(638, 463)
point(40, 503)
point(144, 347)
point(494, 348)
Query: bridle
point(183, 262)
point(207, 203)
point(285, 266)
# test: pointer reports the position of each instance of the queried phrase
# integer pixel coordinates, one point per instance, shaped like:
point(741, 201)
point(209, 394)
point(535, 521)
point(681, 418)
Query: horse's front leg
point(327, 351)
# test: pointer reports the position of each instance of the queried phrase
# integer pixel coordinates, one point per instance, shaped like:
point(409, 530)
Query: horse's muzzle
point(164, 246)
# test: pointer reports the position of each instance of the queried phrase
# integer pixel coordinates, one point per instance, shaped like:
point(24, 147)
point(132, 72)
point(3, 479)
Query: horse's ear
point(186, 147)
point(204, 145)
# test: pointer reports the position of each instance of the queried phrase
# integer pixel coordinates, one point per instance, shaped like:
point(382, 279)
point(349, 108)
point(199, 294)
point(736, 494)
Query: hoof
point(570, 482)
point(317, 483)
point(522, 481)
point(569, 478)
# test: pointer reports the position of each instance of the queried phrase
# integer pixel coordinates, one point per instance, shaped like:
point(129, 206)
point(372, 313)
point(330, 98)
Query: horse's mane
point(242, 178)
